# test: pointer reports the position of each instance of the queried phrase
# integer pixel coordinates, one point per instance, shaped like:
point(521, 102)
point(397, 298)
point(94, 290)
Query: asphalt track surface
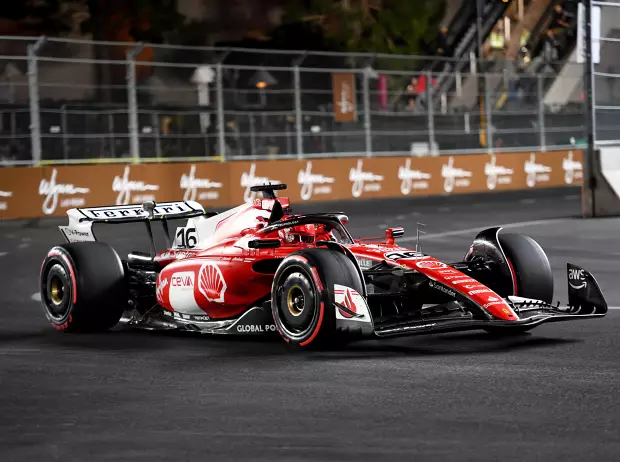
point(136, 396)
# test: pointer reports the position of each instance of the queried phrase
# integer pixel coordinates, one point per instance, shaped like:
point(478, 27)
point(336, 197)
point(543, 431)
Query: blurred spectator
point(412, 91)
point(418, 88)
point(497, 42)
point(411, 106)
point(560, 20)
point(510, 76)
point(525, 36)
point(412, 88)
point(548, 56)
point(443, 47)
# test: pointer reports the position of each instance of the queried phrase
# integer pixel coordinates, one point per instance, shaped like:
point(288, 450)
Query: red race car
point(259, 268)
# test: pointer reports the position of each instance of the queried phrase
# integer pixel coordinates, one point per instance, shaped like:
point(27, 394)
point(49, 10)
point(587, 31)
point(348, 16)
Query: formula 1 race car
point(258, 268)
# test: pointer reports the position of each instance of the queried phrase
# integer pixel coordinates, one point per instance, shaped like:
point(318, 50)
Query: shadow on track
point(228, 347)
point(448, 346)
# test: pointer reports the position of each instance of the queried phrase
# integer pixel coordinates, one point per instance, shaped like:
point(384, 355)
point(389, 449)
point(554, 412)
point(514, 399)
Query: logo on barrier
point(53, 191)
point(3, 204)
point(126, 187)
point(535, 172)
point(362, 181)
point(309, 181)
point(249, 179)
point(191, 185)
point(573, 169)
point(412, 179)
point(454, 177)
point(496, 174)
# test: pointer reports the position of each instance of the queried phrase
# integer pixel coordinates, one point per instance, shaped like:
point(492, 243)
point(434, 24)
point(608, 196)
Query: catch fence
point(73, 101)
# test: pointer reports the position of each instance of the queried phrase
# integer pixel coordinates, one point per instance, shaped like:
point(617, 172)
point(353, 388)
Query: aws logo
point(577, 278)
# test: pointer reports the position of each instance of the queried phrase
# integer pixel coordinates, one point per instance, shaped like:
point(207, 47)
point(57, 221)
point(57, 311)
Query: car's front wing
point(585, 301)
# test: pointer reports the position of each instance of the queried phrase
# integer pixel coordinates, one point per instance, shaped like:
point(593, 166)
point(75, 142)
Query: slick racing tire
point(532, 270)
point(302, 296)
point(83, 287)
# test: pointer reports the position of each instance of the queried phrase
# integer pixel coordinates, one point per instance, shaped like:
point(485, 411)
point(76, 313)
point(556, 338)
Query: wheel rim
point(297, 304)
point(295, 300)
point(56, 292)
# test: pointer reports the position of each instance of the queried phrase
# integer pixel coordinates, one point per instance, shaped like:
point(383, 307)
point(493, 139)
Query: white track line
point(477, 229)
point(2, 254)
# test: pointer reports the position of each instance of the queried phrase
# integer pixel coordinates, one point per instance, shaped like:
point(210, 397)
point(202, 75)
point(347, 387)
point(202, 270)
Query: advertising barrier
point(30, 192)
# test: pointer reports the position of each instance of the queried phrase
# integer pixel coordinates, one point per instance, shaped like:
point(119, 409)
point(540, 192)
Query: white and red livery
point(259, 268)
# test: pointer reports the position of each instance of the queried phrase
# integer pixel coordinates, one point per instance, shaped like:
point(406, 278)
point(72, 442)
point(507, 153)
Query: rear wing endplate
point(81, 220)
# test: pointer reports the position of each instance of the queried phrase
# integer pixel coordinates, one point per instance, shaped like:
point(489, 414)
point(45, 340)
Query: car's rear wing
point(81, 220)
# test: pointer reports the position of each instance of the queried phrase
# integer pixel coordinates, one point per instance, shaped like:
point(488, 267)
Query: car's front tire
point(83, 287)
point(302, 297)
point(532, 271)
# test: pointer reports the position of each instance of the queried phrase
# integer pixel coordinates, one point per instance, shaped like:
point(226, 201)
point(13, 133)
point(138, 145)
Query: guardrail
point(29, 192)
point(76, 101)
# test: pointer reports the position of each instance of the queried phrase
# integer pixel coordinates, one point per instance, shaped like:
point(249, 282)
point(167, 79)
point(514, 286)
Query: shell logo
point(211, 282)
point(349, 303)
point(431, 264)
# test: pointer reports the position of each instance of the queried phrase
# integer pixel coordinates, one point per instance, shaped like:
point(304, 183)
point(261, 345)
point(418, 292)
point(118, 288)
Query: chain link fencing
point(66, 101)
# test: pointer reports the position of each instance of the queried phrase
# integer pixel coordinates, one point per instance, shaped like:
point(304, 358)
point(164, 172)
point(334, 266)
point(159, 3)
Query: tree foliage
point(401, 26)
point(146, 20)
point(45, 17)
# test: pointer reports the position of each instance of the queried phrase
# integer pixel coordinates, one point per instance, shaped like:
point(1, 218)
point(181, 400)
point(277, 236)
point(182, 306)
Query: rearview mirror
point(393, 233)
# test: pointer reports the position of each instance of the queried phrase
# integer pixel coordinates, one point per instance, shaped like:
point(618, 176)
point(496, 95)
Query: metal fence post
point(488, 108)
point(221, 130)
point(132, 101)
point(298, 112)
point(64, 127)
point(367, 122)
point(541, 112)
point(429, 111)
point(33, 94)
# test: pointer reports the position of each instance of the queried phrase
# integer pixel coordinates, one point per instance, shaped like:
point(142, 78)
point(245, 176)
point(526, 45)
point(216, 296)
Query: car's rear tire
point(83, 287)
point(302, 297)
point(532, 270)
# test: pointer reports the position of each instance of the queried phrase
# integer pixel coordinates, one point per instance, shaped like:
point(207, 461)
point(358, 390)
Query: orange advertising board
point(30, 192)
point(344, 97)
